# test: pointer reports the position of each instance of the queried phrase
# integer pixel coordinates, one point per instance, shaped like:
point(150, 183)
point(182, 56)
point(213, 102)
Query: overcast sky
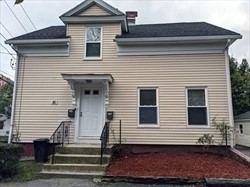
point(230, 14)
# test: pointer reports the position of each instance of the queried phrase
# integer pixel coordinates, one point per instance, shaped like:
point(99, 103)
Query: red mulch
point(175, 164)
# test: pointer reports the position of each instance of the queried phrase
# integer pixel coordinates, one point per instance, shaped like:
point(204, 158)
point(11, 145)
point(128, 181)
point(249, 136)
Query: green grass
point(27, 171)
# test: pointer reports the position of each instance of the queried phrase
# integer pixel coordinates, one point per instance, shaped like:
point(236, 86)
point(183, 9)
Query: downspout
point(229, 93)
point(14, 100)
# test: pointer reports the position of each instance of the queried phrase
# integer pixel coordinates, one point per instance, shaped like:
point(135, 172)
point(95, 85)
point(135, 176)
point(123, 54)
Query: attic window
point(93, 43)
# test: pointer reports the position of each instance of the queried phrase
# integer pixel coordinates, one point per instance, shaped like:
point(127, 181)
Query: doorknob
point(80, 114)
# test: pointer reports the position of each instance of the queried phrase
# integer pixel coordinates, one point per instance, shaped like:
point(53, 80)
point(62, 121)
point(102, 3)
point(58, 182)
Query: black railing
point(60, 136)
point(104, 139)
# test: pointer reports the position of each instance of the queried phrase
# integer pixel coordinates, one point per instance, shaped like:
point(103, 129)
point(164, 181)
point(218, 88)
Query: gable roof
point(88, 3)
point(244, 116)
point(140, 31)
point(53, 32)
point(175, 30)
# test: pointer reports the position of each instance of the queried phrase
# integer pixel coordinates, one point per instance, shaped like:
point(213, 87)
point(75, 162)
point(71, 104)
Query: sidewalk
point(58, 182)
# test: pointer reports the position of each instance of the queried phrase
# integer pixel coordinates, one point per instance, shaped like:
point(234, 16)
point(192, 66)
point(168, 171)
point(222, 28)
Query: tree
point(6, 93)
point(240, 85)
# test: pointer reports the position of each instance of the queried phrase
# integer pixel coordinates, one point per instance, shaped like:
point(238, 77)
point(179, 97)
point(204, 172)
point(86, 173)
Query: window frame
point(241, 124)
point(206, 105)
point(157, 108)
point(85, 43)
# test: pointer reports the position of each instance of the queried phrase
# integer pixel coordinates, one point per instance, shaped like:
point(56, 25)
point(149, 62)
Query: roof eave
point(177, 39)
point(38, 41)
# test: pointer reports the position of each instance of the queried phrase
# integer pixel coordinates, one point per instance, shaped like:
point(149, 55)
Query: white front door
point(91, 113)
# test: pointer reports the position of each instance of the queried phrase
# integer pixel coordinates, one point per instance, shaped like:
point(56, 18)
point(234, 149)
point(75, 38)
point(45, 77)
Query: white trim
point(73, 78)
point(241, 124)
point(88, 3)
point(85, 43)
point(79, 87)
point(180, 38)
point(38, 41)
point(229, 96)
point(157, 106)
point(169, 53)
point(14, 99)
point(206, 102)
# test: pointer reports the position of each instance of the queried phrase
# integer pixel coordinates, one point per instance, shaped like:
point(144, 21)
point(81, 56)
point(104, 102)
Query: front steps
point(77, 160)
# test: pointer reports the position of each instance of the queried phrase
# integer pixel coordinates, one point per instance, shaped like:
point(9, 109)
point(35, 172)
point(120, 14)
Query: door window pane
point(87, 92)
point(95, 92)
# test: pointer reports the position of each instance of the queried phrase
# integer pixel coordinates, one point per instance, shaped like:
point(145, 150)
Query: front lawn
point(27, 170)
point(176, 164)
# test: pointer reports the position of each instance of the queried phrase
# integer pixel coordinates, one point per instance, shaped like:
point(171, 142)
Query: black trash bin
point(41, 147)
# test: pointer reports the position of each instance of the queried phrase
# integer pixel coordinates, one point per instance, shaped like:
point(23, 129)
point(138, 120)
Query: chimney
point(131, 15)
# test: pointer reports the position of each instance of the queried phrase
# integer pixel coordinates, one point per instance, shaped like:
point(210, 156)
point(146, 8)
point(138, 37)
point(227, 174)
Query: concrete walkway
point(244, 150)
point(75, 183)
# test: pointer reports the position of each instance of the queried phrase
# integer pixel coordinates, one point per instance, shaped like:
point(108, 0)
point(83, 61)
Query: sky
point(230, 14)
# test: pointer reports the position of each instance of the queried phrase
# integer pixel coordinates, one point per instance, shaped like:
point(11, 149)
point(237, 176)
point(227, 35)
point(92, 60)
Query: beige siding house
point(165, 82)
point(242, 126)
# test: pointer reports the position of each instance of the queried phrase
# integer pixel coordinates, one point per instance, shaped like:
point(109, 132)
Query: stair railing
point(60, 136)
point(104, 139)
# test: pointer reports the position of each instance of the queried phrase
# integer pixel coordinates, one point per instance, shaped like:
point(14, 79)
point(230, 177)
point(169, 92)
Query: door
point(91, 112)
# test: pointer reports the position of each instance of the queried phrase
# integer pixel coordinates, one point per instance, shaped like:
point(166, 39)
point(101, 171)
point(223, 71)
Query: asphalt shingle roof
point(141, 31)
point(53, 32)
point(175, 30)
point(245, 116)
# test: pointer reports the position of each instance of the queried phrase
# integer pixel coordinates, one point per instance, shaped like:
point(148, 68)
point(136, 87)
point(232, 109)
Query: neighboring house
point(242, 125)
point(4, 80)
point(4, 126)
point(165, 82)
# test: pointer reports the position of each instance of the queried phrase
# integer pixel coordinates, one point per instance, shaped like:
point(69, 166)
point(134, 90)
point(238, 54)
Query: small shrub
point(9, 158)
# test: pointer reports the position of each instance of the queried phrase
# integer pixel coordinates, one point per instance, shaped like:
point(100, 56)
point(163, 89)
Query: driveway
point(58, 182)
point(244, 150)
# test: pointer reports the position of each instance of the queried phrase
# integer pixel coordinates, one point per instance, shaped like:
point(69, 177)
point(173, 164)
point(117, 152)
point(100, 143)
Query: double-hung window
point(93, 43)
point(241, 129)
point(197, 106)
point(148, 107)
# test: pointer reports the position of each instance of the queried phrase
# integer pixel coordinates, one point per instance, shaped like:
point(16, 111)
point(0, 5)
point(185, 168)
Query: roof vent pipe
point(131, 15)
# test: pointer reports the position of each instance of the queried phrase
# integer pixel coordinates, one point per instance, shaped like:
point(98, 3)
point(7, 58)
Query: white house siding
point(93, 11)
point(243, 139)
point(41, 82)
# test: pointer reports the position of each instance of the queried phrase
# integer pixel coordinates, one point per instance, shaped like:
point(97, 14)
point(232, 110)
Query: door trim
point(78, 89)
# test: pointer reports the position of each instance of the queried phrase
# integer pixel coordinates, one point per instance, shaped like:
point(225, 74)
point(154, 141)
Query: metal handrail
point(60, 136)
point(104, 139)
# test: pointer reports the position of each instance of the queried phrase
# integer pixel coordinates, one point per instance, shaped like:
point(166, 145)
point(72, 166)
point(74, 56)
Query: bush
point(9, 158)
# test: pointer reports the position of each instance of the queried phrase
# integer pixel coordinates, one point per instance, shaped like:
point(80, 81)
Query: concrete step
point(63, 174)
point(82, 149)
point(75, 167)
point(80, 159)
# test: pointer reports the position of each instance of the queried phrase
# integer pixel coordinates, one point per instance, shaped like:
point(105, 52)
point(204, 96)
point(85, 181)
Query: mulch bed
point(175, 164)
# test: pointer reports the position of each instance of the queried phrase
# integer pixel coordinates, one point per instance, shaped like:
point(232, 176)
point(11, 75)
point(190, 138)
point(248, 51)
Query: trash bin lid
point(41, 140)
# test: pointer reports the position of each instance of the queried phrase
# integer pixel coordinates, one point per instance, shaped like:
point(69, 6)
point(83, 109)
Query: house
point(163, 82)
point(242, 125)
point(4, 127)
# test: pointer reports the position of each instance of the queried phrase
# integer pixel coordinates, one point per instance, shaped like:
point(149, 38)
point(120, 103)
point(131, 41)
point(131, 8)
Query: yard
point(176, 164)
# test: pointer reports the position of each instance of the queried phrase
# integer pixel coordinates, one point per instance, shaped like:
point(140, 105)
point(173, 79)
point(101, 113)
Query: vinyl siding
point(40, 82)
point(243, 139)
point(94, 10)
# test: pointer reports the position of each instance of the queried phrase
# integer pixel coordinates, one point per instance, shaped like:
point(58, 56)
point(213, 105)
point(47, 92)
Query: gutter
point(176, 39)
point(39, 41)
point(14, 100)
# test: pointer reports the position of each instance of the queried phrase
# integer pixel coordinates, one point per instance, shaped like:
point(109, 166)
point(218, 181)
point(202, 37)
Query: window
point(148, 107)
point(197, 106)
point(241, 129)
point(93, 43)
point(1, 124)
